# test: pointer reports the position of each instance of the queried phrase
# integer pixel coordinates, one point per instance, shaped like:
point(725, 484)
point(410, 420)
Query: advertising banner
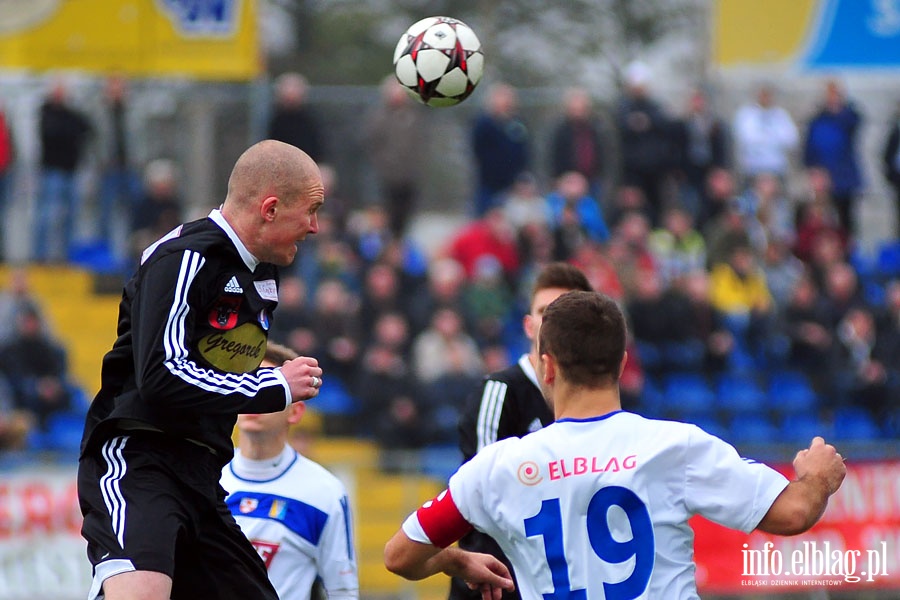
point(200, 39)
point(855, 546)
point(809, 34)
point(42, 554)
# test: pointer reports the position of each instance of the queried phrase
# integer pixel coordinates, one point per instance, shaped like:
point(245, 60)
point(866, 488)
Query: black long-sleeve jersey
point(508, 404)
point(192, 332)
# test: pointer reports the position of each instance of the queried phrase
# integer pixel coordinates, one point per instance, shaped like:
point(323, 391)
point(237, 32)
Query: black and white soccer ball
point(439, 61)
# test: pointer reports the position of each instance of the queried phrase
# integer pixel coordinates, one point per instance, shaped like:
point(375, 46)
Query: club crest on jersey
point(248, 505)
point(224, 313)
point(278, 510)
point(264, 319)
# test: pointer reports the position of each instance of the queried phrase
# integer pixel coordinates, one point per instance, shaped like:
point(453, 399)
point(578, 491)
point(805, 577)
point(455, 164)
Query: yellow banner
point(202, 39)
point(761, 31)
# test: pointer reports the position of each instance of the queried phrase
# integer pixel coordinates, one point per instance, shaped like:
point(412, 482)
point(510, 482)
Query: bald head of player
point(274, 193)
point(582, 349)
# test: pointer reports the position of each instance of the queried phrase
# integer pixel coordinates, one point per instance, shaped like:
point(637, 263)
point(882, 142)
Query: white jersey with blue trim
point(297, 515)
point(599, 508)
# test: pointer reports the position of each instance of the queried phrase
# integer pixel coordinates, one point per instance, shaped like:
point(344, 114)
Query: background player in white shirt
point(295, 512)
point(596, 505)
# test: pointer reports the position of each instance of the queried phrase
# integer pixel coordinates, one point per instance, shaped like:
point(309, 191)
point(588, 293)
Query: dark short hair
point(585, 333)
point(278, 354)
point(560, 275)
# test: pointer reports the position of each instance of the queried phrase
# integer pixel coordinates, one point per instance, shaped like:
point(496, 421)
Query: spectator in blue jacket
point(831, 144)
point(574, 215)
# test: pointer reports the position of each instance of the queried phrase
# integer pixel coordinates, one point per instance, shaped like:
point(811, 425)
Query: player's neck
point(578, 402)
point(261, 447)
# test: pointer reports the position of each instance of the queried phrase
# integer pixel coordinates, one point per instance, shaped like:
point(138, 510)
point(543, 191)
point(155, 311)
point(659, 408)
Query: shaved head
point(270, 168)
point(274, 192)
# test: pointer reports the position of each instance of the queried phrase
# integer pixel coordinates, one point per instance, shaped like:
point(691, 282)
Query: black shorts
point(152, 502)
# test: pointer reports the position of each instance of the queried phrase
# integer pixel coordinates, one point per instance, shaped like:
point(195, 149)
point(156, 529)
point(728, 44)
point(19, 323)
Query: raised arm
point(820, 471)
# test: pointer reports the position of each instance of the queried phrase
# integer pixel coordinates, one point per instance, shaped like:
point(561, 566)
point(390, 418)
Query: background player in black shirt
point(192, 333)
point(510, 404)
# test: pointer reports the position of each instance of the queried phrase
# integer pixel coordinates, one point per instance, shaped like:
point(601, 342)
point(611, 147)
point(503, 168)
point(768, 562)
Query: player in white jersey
point(294, 511)
point(596, 505)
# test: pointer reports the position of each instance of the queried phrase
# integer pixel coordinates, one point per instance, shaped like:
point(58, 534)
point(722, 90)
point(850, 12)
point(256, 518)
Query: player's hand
point(303, 376)
point(487, 574)
point(823, 462)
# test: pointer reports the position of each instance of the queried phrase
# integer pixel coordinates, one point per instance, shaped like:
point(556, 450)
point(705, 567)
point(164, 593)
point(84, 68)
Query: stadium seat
point(889, 259)
point(855, 424)
point(741, 360)
point(865, 265)
point(752, 429)
point(791, 392)
point(440, 461)
point(687, 355)
point(652, 401)
point(688, 394)
point(800, 429)
point(63, 432)
point(650, 355)
point(710, 425)
point(739, 393)
point(334, 399)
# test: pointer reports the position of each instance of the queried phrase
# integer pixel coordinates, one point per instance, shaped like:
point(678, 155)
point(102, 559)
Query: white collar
point(528, 368)
point(263, 470)
point(249, 260)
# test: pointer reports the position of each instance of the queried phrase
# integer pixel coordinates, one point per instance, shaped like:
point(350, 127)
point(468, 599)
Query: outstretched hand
point(304, 376)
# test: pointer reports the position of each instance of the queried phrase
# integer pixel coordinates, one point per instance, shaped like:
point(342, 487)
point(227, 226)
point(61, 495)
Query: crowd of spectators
point(731, 243)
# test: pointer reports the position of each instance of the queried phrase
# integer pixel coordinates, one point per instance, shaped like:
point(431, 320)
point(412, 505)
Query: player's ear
point(295, 412)
point(548, 369)
point(622, 364)
point(268, 208)
point(528, 326)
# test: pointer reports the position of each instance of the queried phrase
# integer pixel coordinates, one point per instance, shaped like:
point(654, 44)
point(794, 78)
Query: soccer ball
point(439, 61)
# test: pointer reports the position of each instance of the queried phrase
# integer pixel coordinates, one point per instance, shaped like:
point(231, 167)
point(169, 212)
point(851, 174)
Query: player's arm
point(479, 425)
point(163, 313)
point(422, 548)
point(335, 560)
point(820, 470)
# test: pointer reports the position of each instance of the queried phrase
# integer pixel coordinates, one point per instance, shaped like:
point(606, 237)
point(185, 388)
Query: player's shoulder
point(315, 475)
point(513, 374)
point(202, 236)
point(671, 433)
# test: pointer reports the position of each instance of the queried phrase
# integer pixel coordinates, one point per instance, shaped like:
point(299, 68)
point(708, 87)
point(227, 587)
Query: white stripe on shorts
point(109, 485)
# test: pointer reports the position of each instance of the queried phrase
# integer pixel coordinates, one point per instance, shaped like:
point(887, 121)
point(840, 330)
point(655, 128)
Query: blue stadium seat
point(752, 429)
point(855, 424)
point(740, 393)
point(791, 392)
point(710, 425)
point(440, 460)
point(334, 399)
point(63, 432)
point(865, 265)
point(653, 401)
point(650, 355)
point(688, 393)
point(800, 429)
point(889, 259)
